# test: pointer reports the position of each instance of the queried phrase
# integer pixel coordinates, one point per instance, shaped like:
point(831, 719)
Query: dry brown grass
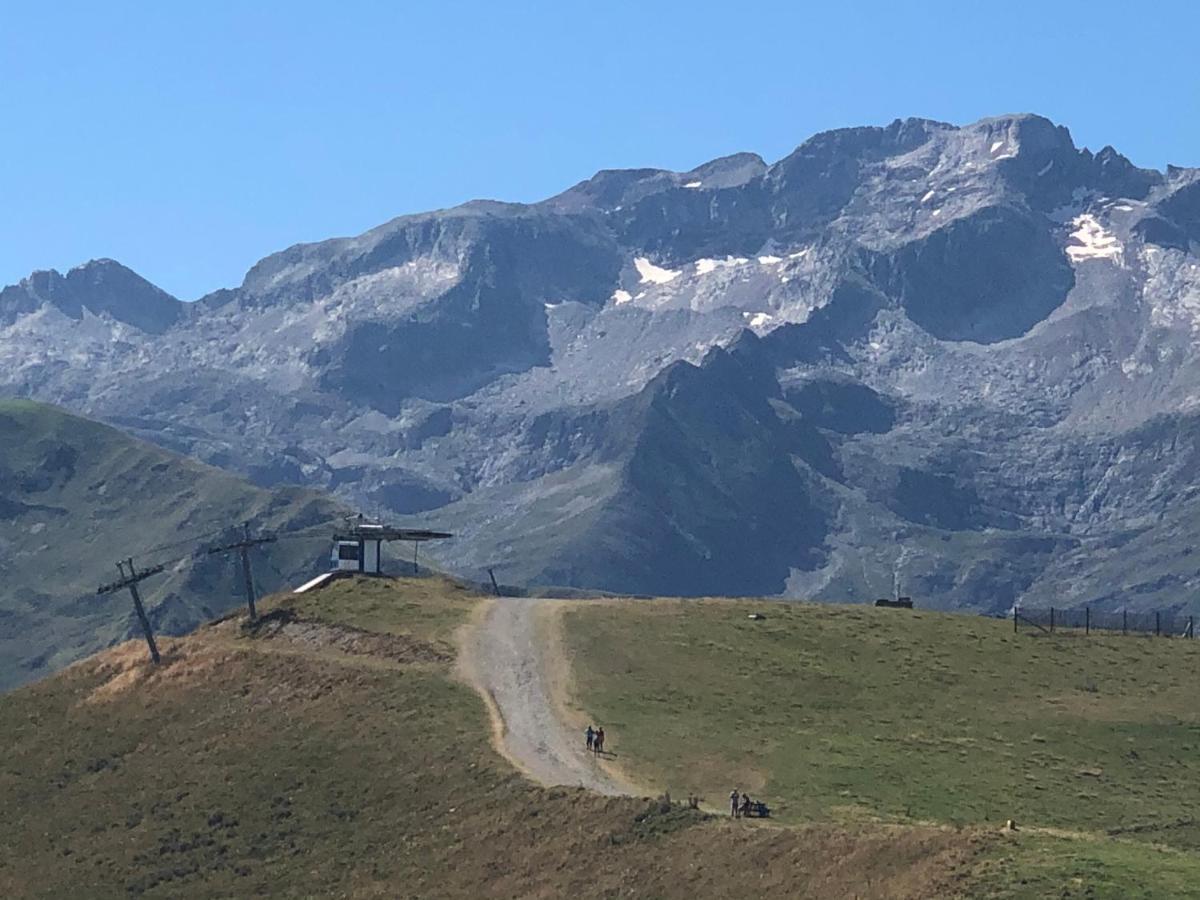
point(236, 770)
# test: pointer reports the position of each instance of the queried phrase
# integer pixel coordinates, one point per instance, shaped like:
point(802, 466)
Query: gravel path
point(504, 659)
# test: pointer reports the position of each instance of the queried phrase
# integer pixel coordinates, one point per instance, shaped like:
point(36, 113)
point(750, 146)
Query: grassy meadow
point(854, 714)
point(331, 752)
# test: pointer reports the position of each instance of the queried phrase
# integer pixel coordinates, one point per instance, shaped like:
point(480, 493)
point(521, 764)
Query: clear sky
point(187, 140)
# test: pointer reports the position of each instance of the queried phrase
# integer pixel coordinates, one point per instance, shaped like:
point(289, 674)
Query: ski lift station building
point(360, 549)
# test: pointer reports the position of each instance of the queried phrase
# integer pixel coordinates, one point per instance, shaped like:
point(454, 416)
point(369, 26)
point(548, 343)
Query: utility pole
point(131, 581)
point(244, 546)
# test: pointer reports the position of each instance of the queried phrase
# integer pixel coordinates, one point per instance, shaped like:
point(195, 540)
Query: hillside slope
point(957, 362)
point(75, 496)
point(849, 715)
point(330, 752)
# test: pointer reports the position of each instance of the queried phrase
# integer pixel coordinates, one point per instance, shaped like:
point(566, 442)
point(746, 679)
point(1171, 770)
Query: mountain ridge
point(963, 352)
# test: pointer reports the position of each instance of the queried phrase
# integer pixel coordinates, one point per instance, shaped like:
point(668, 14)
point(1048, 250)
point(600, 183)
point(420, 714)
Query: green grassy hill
point(331, 752)
point(76, 495)
point(859, 715)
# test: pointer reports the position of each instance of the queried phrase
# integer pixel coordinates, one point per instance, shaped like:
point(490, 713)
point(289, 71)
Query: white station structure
point(360, 547)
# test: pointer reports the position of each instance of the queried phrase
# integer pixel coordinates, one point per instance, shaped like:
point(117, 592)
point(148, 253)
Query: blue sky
point(189, 140)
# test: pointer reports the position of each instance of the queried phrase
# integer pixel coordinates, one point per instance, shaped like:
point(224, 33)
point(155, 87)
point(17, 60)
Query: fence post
point(1052, 620)
point(1124, 621)
point(1191, 630)
point(1157, 629)
point(1087, 620)
point(1014, 618)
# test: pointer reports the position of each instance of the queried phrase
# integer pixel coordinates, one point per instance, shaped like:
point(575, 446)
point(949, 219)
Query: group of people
point(741, 806)
point(595, 739)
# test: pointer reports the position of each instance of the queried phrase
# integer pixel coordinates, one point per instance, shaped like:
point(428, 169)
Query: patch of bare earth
point(284, 626)
point(128, 665)
point(505, 659)
point(184, 661)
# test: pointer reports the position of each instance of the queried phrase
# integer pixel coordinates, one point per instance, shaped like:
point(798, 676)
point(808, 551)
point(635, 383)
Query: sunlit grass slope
point(853, 714)
point(331, 752)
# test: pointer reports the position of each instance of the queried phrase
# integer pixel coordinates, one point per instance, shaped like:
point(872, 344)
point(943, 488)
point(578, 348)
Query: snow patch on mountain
point(1092, 240)
point(759, 321)
point(704, 266)
point(1131, 367)
point(652, 274)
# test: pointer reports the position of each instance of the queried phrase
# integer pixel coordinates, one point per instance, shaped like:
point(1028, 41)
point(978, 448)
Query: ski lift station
point(360, 548)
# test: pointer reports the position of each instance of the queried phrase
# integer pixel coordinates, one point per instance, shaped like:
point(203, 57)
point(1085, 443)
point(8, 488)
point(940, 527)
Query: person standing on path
point(591, 736)
point(733, 803)
point(598, 743)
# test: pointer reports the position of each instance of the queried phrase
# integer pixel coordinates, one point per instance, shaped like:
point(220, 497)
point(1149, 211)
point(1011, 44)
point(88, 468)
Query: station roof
point(387, 533)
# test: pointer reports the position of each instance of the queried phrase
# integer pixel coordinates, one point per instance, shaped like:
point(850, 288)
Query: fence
point(1087, 620)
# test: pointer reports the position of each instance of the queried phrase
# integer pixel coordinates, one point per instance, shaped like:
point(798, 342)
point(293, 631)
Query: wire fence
point(1085, 620)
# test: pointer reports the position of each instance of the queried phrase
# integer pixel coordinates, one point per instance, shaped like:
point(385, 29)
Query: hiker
point(746, 806)
point(591, 736)
point(598, 741)
point(733, 803)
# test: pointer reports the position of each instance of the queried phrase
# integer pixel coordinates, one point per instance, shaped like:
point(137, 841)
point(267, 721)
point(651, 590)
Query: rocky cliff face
point(956, 362)
point(101, 288)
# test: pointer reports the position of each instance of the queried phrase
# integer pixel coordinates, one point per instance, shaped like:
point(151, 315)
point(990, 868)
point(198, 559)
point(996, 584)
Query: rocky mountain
point(76, 495)
point(954, 362)
point(102, 288)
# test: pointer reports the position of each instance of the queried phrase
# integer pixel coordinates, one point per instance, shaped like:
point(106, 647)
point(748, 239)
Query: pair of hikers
point(595, 739)
point(740, 805)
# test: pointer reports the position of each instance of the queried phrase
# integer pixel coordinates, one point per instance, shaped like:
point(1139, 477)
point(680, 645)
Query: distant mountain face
point(102, 288)
point(75, 496)
point(957, 363)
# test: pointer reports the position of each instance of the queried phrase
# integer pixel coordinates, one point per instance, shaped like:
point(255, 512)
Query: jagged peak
point(100, 286)
point(1027, 134)
point(726, 171)
point(1108, 155)
point(612, 188)
point(1020, 119)
point(733, 159)
point(101, 264)
point(901, 135)
point(101, 267)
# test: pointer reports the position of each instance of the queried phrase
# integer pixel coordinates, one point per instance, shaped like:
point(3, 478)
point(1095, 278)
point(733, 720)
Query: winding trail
point(504, 655)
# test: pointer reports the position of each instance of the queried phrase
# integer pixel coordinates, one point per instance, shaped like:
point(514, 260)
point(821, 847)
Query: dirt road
point(504, 656)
